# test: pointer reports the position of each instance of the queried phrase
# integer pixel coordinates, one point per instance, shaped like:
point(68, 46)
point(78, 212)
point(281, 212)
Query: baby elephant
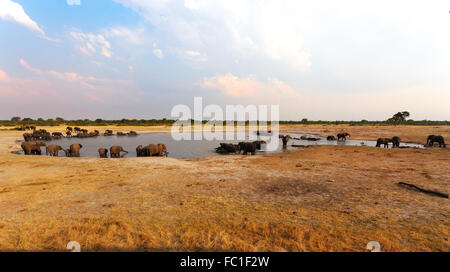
point(115, 151)
point(67, 152)
point(53, 150)
point(103, 152)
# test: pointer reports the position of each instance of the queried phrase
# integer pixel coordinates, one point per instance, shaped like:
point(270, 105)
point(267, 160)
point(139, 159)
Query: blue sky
point(328, 60)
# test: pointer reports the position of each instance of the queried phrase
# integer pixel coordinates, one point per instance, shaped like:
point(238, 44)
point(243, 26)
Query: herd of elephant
point(43, 135)
point(34, 148)
point(252, 147)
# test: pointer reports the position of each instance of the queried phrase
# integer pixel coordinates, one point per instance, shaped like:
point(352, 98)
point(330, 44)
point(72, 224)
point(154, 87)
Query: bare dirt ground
point(324, 198)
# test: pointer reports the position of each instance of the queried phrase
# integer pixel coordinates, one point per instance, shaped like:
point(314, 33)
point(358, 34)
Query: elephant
point(139, 151)
point(82, 135)
point(77, 129)
point(119, 133)
point(33, 128)
point(395, 141)
point(69, 129)
point(27, 137)
point(93, 134)
point(114, 151)
point(108, 132)
point(285, 139)
point(67, 152)
point(155, 150)
point(342, 136)
point(331, 138)
point(57, 134)
point(32, 148)
point(103, 152)
point(226, 148)
point(436, 138)
point(383, 141)
point(247, 147)
point(75, 150)
point(259, 143)
point(53, 150)
point(163, 149)
point(132, 133)
point(68, 134)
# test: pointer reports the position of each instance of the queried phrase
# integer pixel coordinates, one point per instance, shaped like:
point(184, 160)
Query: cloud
point(129, 35)
point(158, 53)
point(90, 44)
point(272, 91)
point(226, 30)
point(88, 82)
point(3, 76)
point(14, 12)
point(73, 2)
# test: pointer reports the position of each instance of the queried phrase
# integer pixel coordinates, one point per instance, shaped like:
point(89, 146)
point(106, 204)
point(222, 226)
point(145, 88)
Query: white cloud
point(243, 29)
point(73, 2)
point(134, 36)
point(90, 44)
point(14, 12)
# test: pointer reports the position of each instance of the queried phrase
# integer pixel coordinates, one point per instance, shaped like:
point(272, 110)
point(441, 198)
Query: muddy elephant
point(436, 138)
point(114, 151)
point(343, 136)
point(103, 152)
point(247, 147)
point(155, 150)
point(120, 133)
point(32, 148)
point(69, 128)
point(331, 138)
point(75, 150)
point(53, 150)
point(132, 133)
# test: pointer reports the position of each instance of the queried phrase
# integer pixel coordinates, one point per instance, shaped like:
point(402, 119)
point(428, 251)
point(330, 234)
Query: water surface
point(190, 149)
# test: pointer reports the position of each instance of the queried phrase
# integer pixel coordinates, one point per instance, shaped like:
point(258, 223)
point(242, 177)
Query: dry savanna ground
point(324, 198)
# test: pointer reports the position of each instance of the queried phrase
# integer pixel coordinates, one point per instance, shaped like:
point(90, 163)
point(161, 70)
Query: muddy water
point(189, 149)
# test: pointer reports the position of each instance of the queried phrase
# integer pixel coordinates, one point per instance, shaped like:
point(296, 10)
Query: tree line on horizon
point(399, 118)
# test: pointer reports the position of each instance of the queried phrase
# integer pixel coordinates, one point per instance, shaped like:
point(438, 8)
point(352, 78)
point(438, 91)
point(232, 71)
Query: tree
point(16, 119)
point(399, 117)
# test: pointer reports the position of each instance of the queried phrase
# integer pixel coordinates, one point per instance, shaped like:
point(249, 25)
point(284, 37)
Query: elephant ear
point(81, 146)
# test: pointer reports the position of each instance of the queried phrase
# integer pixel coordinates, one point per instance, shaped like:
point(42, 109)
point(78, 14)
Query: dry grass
point(316, 199)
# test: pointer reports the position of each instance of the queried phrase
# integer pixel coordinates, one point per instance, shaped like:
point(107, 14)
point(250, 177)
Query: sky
point(137, 59)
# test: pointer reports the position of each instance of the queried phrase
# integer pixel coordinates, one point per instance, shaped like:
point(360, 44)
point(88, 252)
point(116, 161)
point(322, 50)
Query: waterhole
point(190, 148)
